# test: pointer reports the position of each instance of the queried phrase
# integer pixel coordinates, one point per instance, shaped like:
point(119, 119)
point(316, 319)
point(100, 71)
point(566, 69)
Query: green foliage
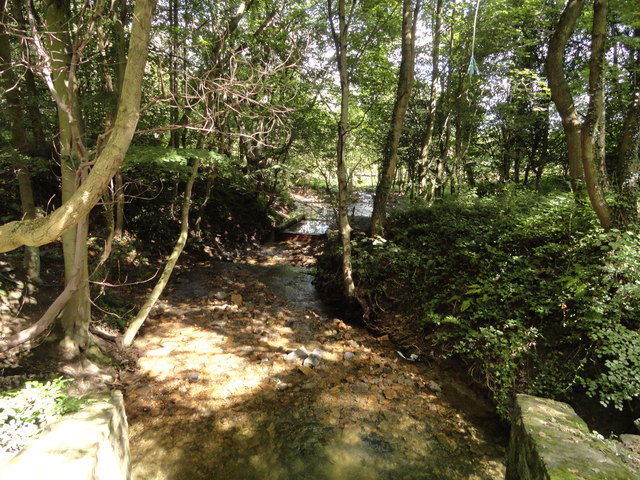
point(156, 177)
point(24, 413)
point(527, 289)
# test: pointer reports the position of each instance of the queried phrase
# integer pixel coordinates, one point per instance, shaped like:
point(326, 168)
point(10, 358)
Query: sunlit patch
point(213, 396)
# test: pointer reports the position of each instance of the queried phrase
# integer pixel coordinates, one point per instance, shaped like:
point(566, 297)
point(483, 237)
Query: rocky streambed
point(241, 374)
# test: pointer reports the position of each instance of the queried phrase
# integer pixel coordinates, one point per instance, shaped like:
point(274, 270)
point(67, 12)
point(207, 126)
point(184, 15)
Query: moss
point(94, 354)
point(550, 438)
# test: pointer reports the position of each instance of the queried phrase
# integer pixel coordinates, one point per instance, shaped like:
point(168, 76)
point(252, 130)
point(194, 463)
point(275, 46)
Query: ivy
point(527, 289)
point(24, 413)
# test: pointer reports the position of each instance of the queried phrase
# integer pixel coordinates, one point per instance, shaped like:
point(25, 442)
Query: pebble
point(348, 355)
point(308, 371)
point(434, 387)
point(298, 353)
point(359, 387)
point(221, 295)
point(280, 385)
point(236, 299)
point(313, 359)
point(193, 377)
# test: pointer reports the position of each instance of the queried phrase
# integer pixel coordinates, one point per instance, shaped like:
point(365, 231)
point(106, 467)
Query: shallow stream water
point(214, 396)
point(320, 218)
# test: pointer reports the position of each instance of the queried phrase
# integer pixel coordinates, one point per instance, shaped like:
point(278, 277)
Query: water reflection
point(320, 218)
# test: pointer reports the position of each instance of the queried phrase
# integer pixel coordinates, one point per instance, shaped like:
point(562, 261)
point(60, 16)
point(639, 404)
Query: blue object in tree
point(473, 66)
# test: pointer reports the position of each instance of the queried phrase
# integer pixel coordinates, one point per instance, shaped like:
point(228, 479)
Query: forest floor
point(216, 391)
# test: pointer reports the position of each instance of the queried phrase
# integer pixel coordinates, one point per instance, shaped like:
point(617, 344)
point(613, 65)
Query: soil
point(216, 392)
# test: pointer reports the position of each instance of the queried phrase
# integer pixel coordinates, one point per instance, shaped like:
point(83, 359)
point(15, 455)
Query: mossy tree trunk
point(585, 140)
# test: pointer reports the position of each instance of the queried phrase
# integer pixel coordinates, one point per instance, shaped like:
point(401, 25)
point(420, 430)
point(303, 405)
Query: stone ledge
point(91, 444)
point(549, 441)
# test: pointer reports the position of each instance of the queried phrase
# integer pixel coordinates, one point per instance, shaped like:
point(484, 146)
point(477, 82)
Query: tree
point(427, 136)
point(19, 139)
point(143, 313)
point(405, 85)
point(340, 37)
point(77, 205)
point(586, 139)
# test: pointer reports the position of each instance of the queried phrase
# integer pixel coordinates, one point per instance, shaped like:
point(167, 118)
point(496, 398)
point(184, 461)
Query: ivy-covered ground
point(524, 289)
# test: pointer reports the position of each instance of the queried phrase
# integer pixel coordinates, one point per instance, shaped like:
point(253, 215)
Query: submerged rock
point(434, 387)
point(308, 371)
point(360, 387)
point(313, 359)
point(299, 353)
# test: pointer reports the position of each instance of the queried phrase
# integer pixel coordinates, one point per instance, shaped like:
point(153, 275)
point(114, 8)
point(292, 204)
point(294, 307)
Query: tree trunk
point(118, 193)
point(340, 39)
point(584, 140)
point(425, 144)
point(174, 134)
point(31, 259)
point(211, 176)
point(561, 93)
point(593, 129)
point(39, 146)
point(405, 85)
point(142, 315)
point(77, 313)
point(627, 167)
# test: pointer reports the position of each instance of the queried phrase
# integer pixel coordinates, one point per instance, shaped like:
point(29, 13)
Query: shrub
point(24, 413)
point(527, 289)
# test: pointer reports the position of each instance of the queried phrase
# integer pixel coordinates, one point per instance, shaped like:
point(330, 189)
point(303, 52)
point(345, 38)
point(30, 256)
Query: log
point(291, 222)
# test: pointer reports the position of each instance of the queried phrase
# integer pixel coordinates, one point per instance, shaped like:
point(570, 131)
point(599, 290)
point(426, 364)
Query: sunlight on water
point(320, 220)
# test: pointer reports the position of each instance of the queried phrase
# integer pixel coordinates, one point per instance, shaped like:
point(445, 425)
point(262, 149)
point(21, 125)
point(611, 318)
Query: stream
point(320, 218)
point(218, 394)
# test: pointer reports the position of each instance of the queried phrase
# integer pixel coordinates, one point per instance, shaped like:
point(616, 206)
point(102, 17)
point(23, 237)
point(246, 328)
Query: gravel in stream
point(213, 396)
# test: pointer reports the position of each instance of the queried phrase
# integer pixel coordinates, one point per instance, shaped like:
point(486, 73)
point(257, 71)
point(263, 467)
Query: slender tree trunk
point(627, 168)
point(439, 179)
point(143, 313)
point(340, 37)
point(77, 313)
point(425, 144)
point(39, 146)
point(31, 261)
point(119, 198)
point(211, 176)
point(593, 130)
point(174, 134)
point(120, 45)
point(405, 85)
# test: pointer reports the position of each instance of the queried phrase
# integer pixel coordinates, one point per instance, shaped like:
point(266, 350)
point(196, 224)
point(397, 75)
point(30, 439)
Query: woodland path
point(213, 397)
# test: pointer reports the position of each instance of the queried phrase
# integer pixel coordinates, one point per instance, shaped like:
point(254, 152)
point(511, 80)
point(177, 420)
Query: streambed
point(214, 394)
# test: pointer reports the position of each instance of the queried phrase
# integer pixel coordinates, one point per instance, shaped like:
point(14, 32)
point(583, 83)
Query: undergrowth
point(526, 289)
point(25, 412)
